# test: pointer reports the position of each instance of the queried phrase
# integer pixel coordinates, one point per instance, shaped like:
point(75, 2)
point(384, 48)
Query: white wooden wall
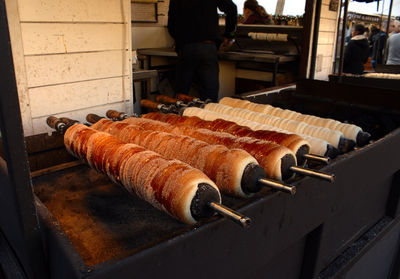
point(326, 41)
point(71, 57)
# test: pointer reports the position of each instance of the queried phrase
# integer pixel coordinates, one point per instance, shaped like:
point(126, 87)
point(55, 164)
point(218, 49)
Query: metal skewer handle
point(238, 218)
point(313, 173)
point(68, 121)
point(93, 118)
point(157, 106)
point(169, 100)
point(187, 98)
point(278, 186)
point(322, 159)
point(113, 114)
point(56, 124)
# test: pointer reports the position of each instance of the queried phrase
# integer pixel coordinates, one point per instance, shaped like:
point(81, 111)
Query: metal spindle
point(278, 186)
point(237, 217)
point(313, 173)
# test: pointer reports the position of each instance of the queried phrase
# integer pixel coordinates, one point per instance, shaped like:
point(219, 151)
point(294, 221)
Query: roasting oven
point(95, 229)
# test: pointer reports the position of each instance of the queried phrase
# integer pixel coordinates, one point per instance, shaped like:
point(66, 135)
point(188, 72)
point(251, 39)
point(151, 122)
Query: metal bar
point(337, 38)
point(278, 186)
point(306, 38)
point(238, 218)
point(313, 173)
point(341, 62)
point(314, 47)
point(321, 159)
point(387, 32)
point(16, 156)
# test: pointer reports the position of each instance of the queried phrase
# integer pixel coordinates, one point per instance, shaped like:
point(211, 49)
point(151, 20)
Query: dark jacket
point(379, 41)
point(356, 55)
point(192, 21)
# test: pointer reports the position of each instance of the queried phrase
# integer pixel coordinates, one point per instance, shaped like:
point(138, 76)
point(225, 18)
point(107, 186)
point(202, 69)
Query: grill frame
point(296, 229)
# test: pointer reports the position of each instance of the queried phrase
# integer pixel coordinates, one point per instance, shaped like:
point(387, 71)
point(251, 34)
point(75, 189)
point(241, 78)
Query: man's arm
point(230, 9)
point(171, 18)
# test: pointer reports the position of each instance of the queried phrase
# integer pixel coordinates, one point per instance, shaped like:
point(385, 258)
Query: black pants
point(198, 61)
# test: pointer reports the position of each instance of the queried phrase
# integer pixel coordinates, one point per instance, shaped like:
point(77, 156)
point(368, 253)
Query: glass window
point(294, 7)
point(269, 5)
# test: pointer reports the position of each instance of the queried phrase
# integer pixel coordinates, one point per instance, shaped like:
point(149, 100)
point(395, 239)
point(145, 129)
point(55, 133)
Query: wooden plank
point(163, 8)
point(71, 11)
point(326, 37)
point(66, 68)
point(325, 50)
point(144, 12)
point(323, 75)
point(52, 38)
point(19, 64)
point(49, 158)
point(40, 125)
point(326, 13)
point(43, 142)
point(56, 168)
point(327, 25)
point(66, 97)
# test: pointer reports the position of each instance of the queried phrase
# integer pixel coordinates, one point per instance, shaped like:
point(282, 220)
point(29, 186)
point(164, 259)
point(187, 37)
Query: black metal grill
point(96, 229)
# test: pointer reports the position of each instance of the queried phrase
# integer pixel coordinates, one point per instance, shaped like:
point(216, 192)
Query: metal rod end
point(278, 186)
point(312, 173)
point(237, 217)
point(245, 221)
point(317, 158)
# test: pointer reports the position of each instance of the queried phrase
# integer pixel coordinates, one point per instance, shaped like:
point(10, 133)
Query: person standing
point(393, 50)
point(356, 54)
point(194, 25)
point(379, 42)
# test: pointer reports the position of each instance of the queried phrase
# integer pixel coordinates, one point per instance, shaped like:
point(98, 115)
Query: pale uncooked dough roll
point(349, 131)
point(318, 146)
point(333, 137)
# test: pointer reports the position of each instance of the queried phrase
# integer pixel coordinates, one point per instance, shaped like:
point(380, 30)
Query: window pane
point(294, 7)
point(269, 5)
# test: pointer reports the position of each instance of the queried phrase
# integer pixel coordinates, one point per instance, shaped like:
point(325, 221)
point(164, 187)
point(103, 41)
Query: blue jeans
point(198, 61)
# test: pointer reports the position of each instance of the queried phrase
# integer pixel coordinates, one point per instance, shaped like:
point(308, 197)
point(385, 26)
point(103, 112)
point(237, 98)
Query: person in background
point(396, 28)
point(253, 13)
point(194, 26)
point(393, 28)
point(356, 54)
point(379, 41)
point(373, 31)
point(393, 48)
